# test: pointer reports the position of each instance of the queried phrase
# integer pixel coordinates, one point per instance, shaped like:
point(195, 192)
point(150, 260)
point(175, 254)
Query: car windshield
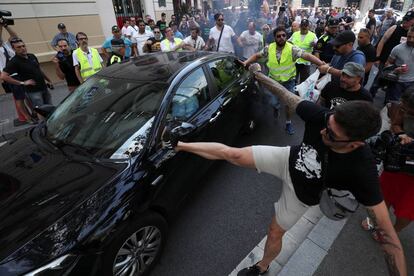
point(108, 118)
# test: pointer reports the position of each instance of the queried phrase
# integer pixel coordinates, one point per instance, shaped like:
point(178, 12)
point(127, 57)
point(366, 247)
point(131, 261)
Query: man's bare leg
point(273, 244)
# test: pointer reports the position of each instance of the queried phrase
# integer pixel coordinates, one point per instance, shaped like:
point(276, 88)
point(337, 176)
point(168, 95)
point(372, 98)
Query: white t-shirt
point(226, 45)
point(124, 30)
point(3, 56)
point(140, 40)
point(251, 43)
point(88, 56)
point(131, 31)
point(197, 44)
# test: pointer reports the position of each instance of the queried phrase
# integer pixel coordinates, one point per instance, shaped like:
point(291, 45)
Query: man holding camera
point(31, 77)
point(333, 154)
point(397, 180)
point(63, 61)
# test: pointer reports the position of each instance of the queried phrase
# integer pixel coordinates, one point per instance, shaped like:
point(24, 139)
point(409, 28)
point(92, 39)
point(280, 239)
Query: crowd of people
point(289, 45)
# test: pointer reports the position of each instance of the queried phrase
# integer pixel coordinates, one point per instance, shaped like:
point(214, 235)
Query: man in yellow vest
point(305, 40)
point(171, 43)
point(86, 60)
point(281, 57)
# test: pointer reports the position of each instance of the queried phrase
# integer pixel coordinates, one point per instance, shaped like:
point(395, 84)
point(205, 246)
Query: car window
point(191, 95)
point(225, 71)
point(109, 118)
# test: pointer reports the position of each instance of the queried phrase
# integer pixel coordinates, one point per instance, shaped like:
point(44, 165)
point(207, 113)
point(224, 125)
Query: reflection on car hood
point(39, 186)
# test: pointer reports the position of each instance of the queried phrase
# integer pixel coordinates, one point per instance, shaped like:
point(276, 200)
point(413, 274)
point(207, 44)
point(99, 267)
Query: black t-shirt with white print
point(355, 171)
point(335, 95)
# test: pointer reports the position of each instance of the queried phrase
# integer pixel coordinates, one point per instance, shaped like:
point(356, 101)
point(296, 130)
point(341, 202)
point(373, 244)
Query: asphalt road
point(229, 214)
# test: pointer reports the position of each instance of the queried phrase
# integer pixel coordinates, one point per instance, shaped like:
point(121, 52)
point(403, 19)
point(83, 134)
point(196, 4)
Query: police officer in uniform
point(324, 49)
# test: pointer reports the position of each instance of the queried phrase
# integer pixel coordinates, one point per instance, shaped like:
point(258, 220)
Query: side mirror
point(183, 129)
point(45, 110)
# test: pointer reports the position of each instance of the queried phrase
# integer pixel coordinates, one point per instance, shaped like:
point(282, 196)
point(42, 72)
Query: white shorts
point(275, 160)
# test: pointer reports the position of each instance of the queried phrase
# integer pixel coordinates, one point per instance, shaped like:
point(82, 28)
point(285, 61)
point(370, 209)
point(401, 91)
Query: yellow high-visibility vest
point(177, 41)
point(285, 69)
point(305, 45)
point(86, 70)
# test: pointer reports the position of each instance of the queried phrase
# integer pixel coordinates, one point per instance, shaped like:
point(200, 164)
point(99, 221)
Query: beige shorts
point(275, 160)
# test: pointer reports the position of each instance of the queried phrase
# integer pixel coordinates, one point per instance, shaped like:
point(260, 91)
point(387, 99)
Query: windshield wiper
point(77, 148)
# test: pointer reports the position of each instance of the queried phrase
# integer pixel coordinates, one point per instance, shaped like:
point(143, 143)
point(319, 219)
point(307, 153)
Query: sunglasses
point(82, 38)
point(220, 19)
point(329, 132)
point(156, 32)
point(16, 40)
point(281, 35)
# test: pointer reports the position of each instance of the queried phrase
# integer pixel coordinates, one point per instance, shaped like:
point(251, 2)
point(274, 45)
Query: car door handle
point(215, 116)
point(157, 180)
point(226, 102)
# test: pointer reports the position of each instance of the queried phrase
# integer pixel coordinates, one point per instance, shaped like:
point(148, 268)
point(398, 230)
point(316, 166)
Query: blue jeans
point(395, 90)
point(39, 98)
point(273, 99)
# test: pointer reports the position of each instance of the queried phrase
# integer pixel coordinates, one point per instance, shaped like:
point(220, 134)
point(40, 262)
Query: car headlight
point(60, 266)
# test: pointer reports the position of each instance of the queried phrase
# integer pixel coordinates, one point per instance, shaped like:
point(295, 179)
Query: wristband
point(22, 83)
point(327, 71)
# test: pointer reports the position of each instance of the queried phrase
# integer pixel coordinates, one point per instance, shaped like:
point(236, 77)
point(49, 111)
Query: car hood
point(41, 185)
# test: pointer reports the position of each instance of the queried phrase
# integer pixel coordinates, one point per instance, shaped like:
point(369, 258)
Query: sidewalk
point(8, 111)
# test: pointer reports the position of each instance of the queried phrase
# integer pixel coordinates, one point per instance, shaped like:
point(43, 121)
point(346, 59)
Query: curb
point(304, 246)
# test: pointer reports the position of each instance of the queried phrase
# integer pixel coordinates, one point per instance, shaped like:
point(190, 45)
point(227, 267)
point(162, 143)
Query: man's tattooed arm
point(388, 239)
point(287, 97)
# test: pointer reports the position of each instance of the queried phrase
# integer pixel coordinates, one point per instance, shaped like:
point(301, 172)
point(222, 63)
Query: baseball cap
point(332, 22)
point(353, 69)
point(408, 16)
point(61, 26)
point(304, 22)
point(115, 28)
point(117, 42)
point(343, 38)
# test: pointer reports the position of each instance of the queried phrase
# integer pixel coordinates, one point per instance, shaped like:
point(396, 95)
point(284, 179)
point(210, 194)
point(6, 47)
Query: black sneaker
point(253, 270)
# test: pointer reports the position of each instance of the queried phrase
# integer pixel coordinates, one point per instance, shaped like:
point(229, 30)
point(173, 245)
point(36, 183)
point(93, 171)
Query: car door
point(174, 175)
point(234, 92)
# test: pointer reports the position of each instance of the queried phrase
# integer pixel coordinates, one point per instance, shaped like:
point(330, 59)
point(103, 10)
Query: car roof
point(153, 67)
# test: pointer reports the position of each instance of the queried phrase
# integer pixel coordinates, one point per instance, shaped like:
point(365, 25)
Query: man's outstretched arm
point(287, 97)
point(388, 239)
point(242, 157)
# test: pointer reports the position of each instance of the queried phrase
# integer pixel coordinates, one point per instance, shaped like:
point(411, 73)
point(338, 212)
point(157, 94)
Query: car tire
point(137, 245)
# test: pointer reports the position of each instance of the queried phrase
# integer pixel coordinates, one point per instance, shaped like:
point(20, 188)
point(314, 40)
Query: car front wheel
point(137, 246)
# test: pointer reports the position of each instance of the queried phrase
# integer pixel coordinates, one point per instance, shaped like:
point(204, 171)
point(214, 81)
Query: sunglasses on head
point(329, 132)
point(16, 40)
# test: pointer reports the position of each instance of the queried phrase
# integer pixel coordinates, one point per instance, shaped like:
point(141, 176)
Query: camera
point(6, 21)
point(395, 156)
point(60, 56)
